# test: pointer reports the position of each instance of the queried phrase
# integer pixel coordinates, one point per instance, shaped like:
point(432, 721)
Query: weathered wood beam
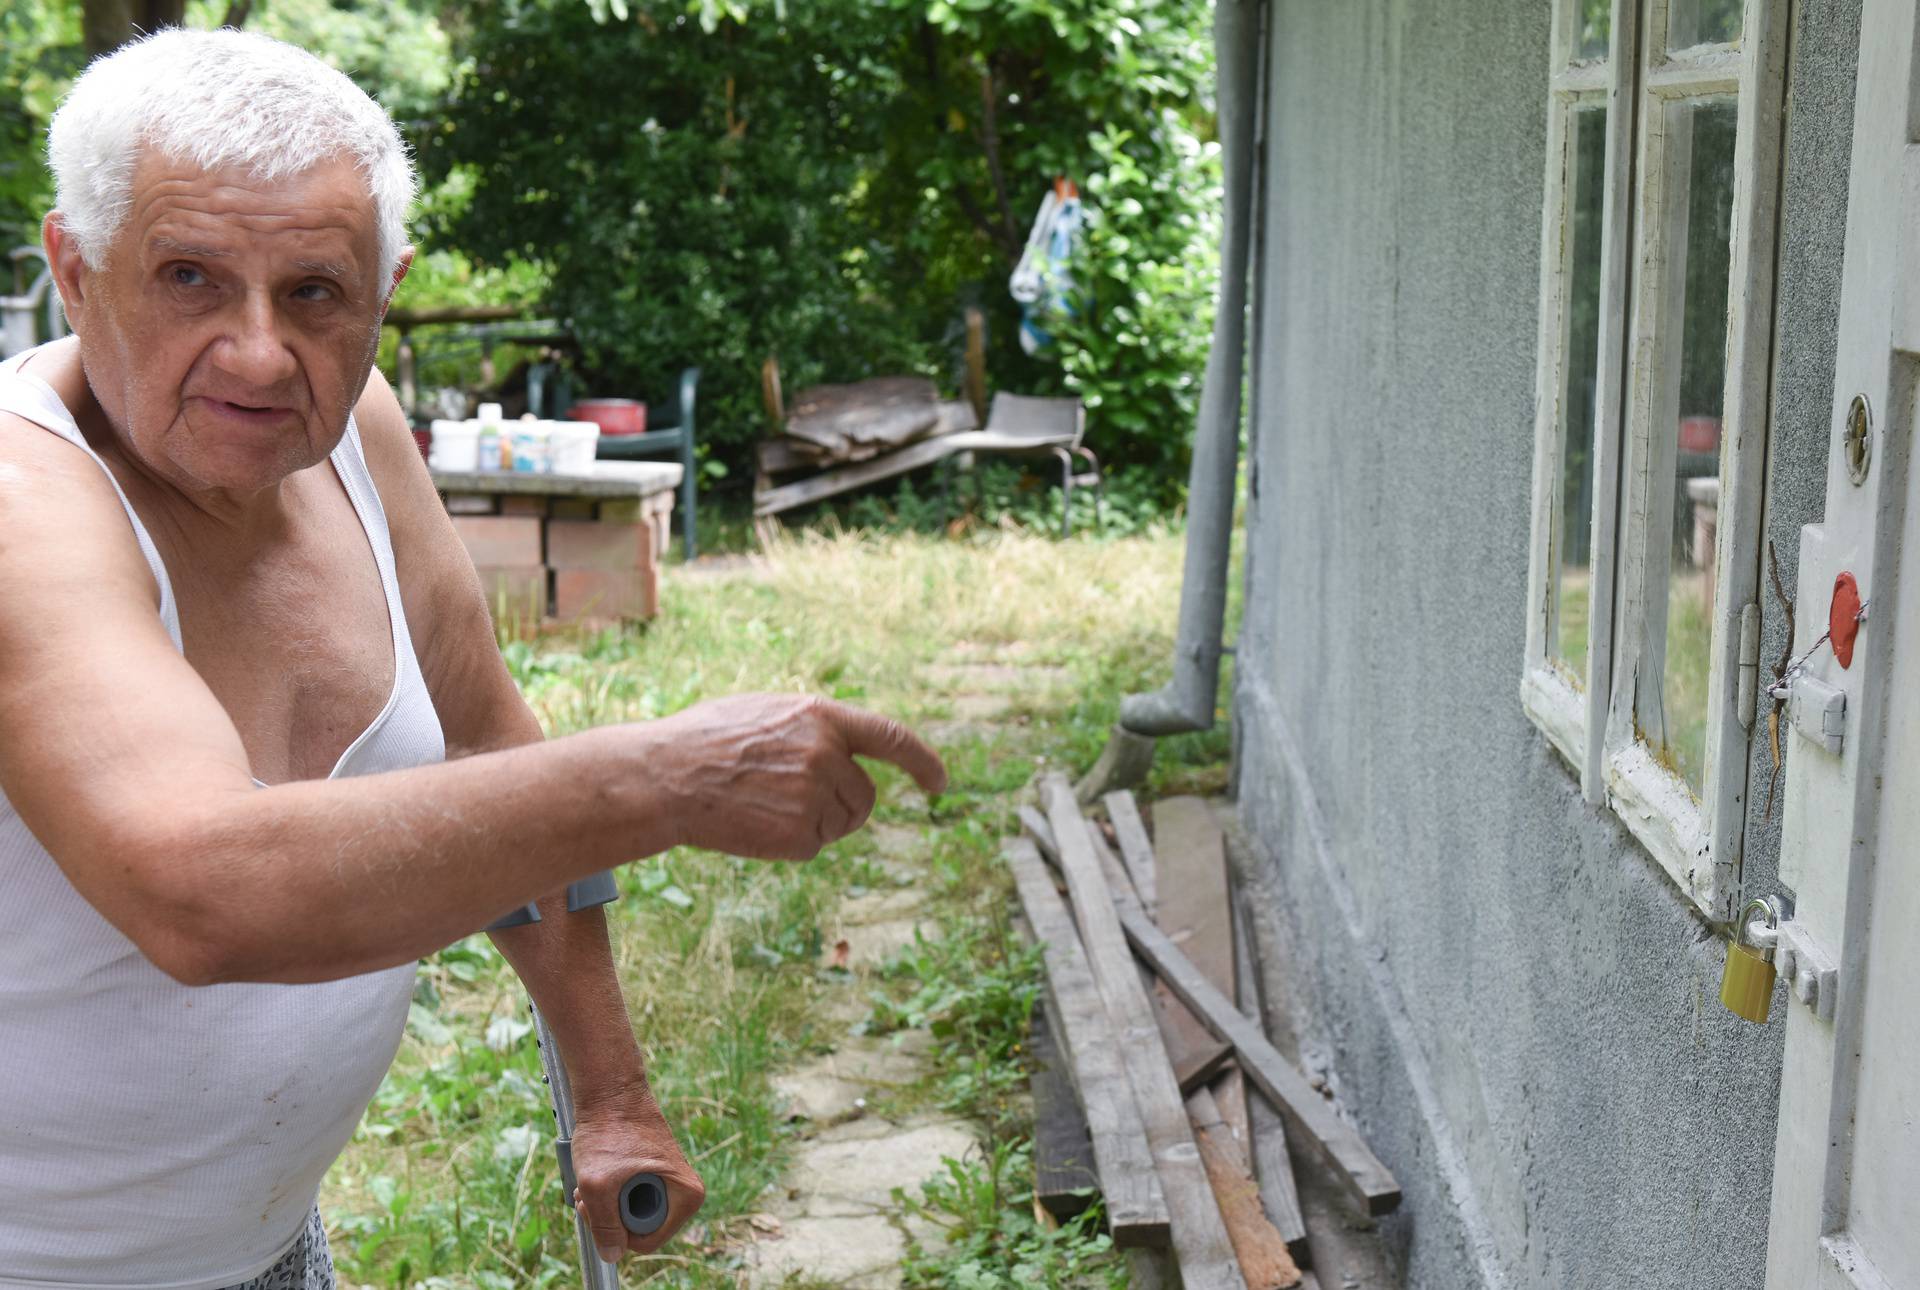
point(1266, 1131)
point(1273, 1169)
point(1135, 848)
point(1200, 1237)
point(1330, 1137)
point(1264, 1258)
point(1136, 1206)
point(1189, 852)
point(1064, 1179)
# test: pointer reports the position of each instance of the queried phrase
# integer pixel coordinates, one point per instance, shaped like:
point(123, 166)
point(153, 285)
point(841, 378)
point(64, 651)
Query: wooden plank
point(1131, 833)
point(1200, 1238)
point(1190, 853)
point(818, 487)
point(1331, 1137)
point(1123, 1161)
point(1264, 1258)
point(1197, 1070)
point(1198, 1058)
point(1063, 1171)
point(1273, 1169)
point(1266, 1131)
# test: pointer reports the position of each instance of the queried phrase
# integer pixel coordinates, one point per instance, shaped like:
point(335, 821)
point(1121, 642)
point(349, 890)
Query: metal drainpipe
point(1186, 702)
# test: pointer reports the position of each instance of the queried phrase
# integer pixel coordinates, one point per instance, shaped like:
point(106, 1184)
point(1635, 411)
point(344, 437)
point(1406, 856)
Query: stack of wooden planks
point(1158, 1083)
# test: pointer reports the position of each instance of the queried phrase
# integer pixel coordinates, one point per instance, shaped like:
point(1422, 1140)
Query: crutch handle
point(643, 1204)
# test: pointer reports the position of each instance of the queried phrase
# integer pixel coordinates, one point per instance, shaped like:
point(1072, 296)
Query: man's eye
point(185, 275)
point(313, 291)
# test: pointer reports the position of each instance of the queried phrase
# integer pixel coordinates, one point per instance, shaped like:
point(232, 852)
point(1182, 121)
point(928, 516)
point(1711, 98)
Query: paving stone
point(840, 1175)
point(831, 1088)
point(869, 947)
point(861, 1252)
point(881, 906)
point(1002, 677)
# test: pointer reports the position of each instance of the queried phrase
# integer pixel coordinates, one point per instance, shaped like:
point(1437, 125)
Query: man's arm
point(129, 772)
point(564, 960)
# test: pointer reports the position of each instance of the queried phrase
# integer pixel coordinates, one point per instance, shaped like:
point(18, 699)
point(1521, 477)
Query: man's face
point(234, 323)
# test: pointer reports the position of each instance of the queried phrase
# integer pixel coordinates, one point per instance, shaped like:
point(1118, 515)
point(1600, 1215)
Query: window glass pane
point(1592, 29)
point(1693, 391)
point(1573, 518)
point(1703, 22)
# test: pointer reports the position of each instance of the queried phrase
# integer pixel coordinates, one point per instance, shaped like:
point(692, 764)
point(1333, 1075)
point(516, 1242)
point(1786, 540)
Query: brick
point(572, 508)
point(500, 541)
point(523, 504)
point(600, 544)
point(516, 594)
point(622, 508)
point(605, 593)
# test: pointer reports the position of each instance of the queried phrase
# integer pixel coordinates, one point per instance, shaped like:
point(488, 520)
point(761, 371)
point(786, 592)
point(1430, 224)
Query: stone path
point(833, 1220)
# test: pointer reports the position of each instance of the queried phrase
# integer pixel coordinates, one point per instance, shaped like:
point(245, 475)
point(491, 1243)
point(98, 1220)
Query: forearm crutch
point(643, 1197)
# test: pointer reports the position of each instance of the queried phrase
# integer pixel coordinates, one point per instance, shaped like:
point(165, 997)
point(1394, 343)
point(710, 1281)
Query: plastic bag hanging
point(1043, 281)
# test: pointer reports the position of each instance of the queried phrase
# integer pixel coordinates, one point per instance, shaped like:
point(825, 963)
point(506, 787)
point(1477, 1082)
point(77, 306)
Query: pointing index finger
point(868, 734)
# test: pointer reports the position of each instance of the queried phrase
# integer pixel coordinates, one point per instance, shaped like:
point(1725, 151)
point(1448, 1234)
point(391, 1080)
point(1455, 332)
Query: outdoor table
point(572, 546)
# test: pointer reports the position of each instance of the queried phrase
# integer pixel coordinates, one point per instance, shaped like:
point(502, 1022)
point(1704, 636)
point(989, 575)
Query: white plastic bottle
point(495, 448)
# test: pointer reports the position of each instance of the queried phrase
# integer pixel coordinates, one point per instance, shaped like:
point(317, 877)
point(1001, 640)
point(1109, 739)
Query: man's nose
point(256, 350)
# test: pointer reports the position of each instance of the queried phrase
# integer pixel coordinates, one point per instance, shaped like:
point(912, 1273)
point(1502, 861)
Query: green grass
point(450, 1180)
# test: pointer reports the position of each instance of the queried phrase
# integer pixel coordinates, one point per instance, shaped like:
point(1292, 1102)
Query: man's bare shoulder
point(62, 528)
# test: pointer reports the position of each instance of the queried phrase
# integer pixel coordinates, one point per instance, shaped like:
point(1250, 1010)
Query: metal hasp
point(1812, 976)
point(1818, 711)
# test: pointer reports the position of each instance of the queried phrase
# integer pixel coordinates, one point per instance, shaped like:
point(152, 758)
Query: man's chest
point(297, 645)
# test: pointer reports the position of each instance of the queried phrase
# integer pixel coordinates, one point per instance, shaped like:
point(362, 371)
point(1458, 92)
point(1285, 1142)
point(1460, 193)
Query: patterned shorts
point(307, 1265)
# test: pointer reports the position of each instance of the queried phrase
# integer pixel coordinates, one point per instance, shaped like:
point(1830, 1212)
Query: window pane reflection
point(1692, 398)
point(1703, 22)
point(1593, 28)
point(1573, 522)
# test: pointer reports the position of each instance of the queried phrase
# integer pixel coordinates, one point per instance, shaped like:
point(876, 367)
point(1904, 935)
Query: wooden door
point(1846, 1183)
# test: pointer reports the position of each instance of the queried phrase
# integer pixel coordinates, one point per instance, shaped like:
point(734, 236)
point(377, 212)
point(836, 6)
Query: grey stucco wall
point(1512, 999)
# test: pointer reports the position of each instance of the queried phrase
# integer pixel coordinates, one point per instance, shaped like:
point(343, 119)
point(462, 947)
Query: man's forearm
point(566, 963)
point(323, 879)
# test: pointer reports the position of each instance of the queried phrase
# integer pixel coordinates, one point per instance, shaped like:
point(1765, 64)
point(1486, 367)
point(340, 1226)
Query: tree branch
point(1009, 232)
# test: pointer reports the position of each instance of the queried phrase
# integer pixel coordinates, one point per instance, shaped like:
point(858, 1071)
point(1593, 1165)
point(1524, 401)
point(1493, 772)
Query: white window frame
point(1574, 716)
point(1698, 841)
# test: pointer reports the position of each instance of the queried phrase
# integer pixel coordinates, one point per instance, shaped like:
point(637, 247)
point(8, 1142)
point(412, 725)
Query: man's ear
point(71, 275)
point(399, 276)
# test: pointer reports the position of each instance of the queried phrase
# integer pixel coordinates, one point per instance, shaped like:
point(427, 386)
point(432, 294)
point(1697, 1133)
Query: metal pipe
point(1187, 702)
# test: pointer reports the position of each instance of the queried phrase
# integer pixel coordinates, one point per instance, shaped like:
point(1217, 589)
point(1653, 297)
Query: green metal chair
point(671, 431)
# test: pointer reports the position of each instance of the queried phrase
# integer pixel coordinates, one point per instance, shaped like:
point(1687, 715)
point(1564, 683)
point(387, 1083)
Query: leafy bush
point(712, 182)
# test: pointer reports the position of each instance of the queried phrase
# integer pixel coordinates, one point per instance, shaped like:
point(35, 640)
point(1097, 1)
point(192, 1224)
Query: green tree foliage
point(713, 182)
point(40, 52)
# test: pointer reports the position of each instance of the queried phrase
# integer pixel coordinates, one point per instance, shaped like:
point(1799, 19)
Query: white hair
point(216, 99)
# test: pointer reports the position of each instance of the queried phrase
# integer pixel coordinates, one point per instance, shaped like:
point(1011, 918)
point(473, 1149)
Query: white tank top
point(159, 1135)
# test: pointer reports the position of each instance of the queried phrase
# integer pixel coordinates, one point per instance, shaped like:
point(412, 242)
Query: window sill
point(1559, 710)
point(1663, 814)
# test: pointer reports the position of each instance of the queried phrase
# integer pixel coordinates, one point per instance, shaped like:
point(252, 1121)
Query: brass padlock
point(1746, 988)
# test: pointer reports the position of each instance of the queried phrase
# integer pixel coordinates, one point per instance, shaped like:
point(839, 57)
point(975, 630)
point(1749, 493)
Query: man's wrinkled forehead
point(321, 220)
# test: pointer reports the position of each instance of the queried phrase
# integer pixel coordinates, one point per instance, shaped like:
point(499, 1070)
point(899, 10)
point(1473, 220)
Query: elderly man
point(258, 751)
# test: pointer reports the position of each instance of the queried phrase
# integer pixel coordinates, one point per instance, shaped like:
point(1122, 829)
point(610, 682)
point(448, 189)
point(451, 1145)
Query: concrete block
point(500, 541)
point(572, 508)
point(516, 592)
point(605, 593)
point(523, 504)
point(600, 544)
point(469, 503)
point(622, 508)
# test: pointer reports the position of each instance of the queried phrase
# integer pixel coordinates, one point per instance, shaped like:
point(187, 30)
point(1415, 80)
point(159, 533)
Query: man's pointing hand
point(774, 776)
